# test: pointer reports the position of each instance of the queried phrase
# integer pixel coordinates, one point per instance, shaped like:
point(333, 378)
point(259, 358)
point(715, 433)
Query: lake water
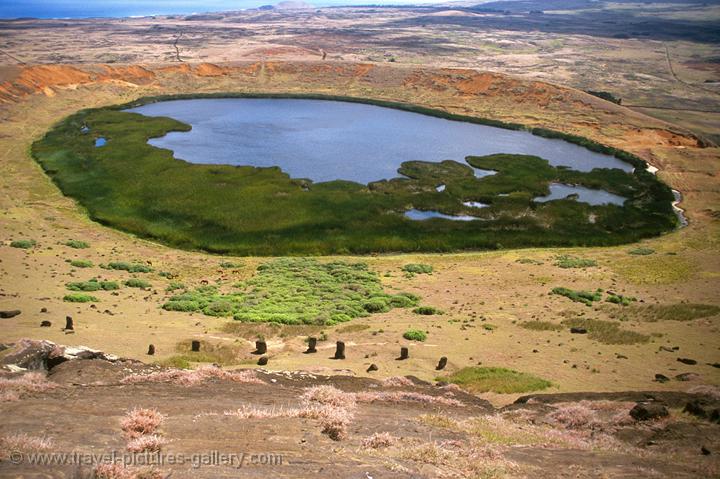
point(330, 140)
point(586, 195)
point(420, 215)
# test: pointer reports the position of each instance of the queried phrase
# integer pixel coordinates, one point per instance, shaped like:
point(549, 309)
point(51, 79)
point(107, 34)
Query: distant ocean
point(130, 8)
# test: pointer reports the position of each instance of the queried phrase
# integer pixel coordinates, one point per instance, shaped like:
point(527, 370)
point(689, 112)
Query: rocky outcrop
point(33, 355)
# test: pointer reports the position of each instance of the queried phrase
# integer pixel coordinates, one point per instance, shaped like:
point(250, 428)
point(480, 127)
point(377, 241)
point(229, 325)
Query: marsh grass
point(567, 261)
point(253, 331)
point(655, 269)
point(541, 326)
point(585, 297)
point(498, 380)
point(664, 312)
point(606, 332)
point(261, 211)
point(417, 268)
point(222, 354)
point(641, 251)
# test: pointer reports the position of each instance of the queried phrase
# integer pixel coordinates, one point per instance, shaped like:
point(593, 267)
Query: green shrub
point(137, 283)
point(641, 251)
point(427, 310)
point(415, 335)
point(81, 263)
point(174, 286)
point(230, 265)
point(182, 305)
point(77, 244)
point(620, 299)
point(23, 244)
point(418, 268)
point(584, 297)
point(498, 380)
point(376, 305)
point(404, 300)
point(566, 261)
point(92, 285)
point(80, 298)
point(130, 267)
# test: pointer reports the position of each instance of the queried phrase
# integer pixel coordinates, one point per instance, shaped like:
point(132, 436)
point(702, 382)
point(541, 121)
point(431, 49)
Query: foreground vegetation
point(297, 291)
point(261, 211)
point(498, 380)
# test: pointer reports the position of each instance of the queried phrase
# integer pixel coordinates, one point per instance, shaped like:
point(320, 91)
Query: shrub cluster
point(297, 291)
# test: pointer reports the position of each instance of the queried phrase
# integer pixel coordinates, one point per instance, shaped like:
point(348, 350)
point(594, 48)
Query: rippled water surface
point(330, 140)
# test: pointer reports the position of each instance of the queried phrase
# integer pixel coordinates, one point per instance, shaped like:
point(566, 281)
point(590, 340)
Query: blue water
point(586, 195)
point(419, 215)
point(329, 140)
point(130, 8)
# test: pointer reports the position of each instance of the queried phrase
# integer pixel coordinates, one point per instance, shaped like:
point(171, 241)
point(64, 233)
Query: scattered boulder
point(29, 354)
point(45, 324)
point(372, 367)
point(686, 376)
point(648, 411)
point(578, 330)
point(661, 378)
point(703, 409)
point(263, 361)
point(704, 451)
point(9, 314)
point(43, 310)
point(688, 361)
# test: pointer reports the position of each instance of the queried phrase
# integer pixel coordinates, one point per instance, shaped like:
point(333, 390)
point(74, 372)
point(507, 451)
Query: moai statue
point(195, 346)
point(372, 367)
point(151, 350)
point(404, 354)
point(441, 364)
point(312, 343)
point(69, 323)
point(339, 350)
point(260, 347)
